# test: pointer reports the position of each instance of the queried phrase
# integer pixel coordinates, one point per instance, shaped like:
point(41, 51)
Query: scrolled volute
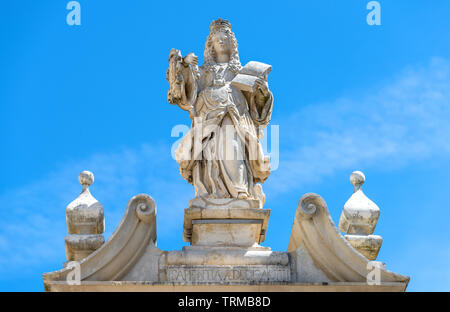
point(309, 205)
point(145, 207)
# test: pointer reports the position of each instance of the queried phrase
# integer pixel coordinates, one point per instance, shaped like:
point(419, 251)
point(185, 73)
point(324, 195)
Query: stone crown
point(219, 24)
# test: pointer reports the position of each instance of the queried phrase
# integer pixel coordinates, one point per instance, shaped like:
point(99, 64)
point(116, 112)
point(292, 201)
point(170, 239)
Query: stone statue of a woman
point(221, 155)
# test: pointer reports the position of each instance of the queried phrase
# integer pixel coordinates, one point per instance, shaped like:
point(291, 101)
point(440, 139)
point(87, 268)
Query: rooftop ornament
point(359, 218)
point(85, 222)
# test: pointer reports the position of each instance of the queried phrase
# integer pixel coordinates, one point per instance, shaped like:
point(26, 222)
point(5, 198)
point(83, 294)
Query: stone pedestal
point(229, 225)
point(195, 264)
point(225, 237)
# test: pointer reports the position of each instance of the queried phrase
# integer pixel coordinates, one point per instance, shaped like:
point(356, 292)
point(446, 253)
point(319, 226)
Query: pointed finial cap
point(85, 214)
point(360, 214)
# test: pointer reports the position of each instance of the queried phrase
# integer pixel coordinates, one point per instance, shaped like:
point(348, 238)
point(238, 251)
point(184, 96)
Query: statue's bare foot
point(242, 195)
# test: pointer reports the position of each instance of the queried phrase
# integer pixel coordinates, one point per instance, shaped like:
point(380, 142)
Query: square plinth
point(225, 226)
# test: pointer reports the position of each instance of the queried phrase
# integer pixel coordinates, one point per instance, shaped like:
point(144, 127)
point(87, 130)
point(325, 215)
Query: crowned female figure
point(221, 154)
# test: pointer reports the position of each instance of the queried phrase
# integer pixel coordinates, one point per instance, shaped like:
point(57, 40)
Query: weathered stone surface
point(79, 246)
point(195, 255)
point(367, 245)
point(224, 203)
point(85, 214)
point(135, 234)
point(225, 232)
point(360, 214)
point(147, 286)
point(85, 222)
point(359, 218)
point(317, 243)
point(225, 226)
point(228, 274)
point(318, 258)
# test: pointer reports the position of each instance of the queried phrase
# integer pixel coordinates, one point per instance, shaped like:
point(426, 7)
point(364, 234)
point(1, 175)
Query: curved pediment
point(315, 237)
point(117, 256)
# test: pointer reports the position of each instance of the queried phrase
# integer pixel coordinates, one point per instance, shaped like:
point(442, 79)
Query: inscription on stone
point(225, 274)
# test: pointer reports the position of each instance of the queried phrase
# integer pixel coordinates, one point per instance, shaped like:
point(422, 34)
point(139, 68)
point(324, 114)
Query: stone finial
point(86, 178)
point(85, 222)
point(359, 218)
point(357, 178)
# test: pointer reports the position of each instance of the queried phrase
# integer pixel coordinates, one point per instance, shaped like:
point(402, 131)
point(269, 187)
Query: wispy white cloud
point(391, 125)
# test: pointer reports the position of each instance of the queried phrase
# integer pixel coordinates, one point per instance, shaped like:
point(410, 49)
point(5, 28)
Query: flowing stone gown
point(229, 123)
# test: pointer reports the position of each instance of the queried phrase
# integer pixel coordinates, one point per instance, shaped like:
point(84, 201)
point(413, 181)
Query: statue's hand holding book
point(252, 77)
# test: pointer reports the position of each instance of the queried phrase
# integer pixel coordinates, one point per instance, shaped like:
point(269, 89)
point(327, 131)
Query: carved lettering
point(198, 274)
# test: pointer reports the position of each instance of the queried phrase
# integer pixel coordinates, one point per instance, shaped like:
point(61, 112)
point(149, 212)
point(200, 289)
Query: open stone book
point(246, 79)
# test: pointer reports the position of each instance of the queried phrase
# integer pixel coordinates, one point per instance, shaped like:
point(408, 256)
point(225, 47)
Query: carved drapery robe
point(228, 158)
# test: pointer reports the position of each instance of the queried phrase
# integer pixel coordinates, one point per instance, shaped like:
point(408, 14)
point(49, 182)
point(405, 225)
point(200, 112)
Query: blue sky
point(348, 96)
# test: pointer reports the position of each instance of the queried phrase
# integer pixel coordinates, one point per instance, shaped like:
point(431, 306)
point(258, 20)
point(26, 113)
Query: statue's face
point(222, 44)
